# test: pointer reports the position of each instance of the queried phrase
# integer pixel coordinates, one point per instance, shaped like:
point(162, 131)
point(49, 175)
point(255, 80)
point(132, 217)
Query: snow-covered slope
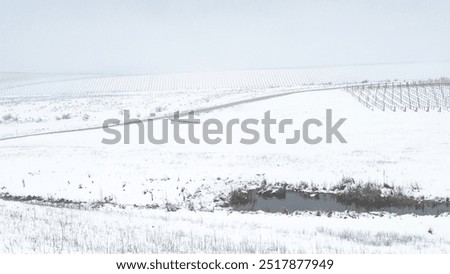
point(397, 148)
point(38, 85)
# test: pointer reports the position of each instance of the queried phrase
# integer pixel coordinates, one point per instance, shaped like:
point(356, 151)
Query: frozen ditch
point(291, 201)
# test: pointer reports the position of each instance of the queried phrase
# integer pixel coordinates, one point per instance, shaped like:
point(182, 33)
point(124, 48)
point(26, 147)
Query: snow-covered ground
point(402, 149)
point(39, 229)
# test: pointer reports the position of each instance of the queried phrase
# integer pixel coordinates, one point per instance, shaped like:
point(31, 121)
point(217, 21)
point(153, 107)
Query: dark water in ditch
point(327, 202)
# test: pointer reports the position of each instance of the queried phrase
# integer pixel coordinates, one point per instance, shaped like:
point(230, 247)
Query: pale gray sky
point(137, 36)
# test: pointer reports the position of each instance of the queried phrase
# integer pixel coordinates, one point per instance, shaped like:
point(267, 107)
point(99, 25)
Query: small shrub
point(66, 116)
point(172, 207)
point(370, 196)
point(191, 206)
point(10, 118)
point(109, 199)
point(239, 197)
point(345, 182)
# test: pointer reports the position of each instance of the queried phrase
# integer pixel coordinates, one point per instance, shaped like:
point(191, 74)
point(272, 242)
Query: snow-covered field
point(401, 149)
point(38, 229)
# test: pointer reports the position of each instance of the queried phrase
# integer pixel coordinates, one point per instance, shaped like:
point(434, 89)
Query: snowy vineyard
point(30, 85)
point(404, 96)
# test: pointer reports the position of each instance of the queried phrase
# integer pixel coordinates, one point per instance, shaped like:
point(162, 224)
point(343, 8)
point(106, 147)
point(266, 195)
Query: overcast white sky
point(137, 36)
